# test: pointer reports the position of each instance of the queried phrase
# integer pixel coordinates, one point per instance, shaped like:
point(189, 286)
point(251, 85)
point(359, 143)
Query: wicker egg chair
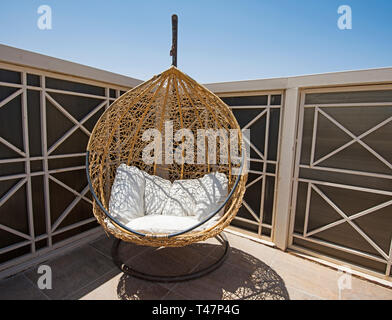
point(117, 138)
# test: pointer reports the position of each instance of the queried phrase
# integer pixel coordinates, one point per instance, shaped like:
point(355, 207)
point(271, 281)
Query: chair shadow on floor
point(241, 277)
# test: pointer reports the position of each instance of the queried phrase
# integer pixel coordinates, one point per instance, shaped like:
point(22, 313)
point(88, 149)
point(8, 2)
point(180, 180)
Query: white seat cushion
point(197, 197)
point(156, 193)
point(127, 194)
point(166, 224)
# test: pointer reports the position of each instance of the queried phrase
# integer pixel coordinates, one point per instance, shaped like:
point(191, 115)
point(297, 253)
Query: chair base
point(175, 278)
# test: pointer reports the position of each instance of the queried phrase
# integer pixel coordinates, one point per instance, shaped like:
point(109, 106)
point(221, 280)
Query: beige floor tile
point(106, 291)
point(125, 250)
point(256, 249)
point(251, 280)
point(307, 276)
point(297, 294)
point(20, 288)
point(103, 244)
point(103, 288)
point(252, 271)
point(124, 287)
point(130, 288)
point(173, 296)
point(73, 271)
point(365, 290)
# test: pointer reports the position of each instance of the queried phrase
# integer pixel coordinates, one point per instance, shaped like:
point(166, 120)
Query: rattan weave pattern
point(117, 138)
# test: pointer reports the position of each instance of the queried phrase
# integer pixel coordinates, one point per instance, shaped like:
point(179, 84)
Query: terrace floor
point(252, 271)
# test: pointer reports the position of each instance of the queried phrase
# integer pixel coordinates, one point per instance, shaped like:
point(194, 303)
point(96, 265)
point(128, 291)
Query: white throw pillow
point(211, 195)
point(181, 201)
point(197, 197)
point(127, 194)
point(156, 194)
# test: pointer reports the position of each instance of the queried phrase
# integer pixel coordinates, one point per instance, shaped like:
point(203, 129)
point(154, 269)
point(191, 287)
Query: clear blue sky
point(219, 40)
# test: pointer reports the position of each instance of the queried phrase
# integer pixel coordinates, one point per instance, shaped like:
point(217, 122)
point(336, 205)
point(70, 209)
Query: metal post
point(173, 51)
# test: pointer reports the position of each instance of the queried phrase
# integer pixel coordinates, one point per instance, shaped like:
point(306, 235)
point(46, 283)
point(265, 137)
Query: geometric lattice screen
point(261, 115)
point(45, 123)
point(344, 177)
point(342, 193)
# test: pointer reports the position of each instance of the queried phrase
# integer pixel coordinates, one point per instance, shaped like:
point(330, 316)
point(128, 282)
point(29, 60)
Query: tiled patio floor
point(252, 271)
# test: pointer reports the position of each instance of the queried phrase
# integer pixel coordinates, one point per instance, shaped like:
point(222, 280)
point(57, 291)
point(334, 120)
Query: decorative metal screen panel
point(343, 190)
point(45, 122)
point(260, 114)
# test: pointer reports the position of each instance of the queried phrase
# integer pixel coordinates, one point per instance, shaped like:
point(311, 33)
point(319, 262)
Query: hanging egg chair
point(117, 138)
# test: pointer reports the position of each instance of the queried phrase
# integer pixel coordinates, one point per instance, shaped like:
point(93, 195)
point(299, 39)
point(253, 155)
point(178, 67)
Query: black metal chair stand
point(222, 239)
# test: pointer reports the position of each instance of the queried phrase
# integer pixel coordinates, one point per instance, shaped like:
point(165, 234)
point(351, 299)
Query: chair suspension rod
point(173, 51)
